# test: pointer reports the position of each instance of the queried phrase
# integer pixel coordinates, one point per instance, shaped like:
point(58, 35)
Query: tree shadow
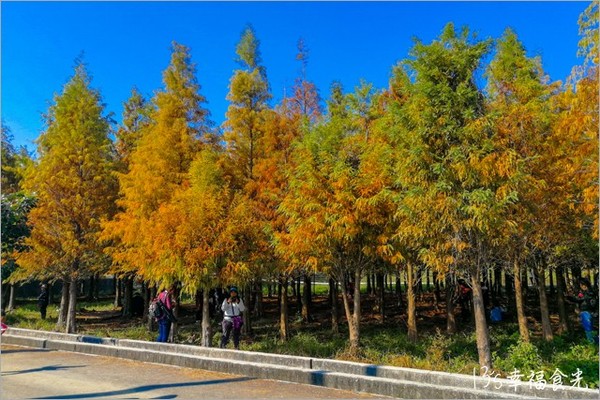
point(147, 388)
point(46, 368)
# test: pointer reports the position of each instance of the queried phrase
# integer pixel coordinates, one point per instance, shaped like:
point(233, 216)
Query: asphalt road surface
point(28, 373)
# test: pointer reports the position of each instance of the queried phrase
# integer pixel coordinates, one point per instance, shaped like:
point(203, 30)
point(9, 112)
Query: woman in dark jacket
point(43, 301)
point(588, 308)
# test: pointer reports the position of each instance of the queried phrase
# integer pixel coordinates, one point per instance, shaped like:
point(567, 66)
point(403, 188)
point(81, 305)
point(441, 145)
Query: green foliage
point(523, 356)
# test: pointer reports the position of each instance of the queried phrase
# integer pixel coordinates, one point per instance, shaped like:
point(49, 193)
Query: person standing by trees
point(165, 320)
point(232, 308)
point(43, 301)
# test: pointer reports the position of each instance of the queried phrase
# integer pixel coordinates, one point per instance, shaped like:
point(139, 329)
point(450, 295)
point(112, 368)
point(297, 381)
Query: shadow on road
point(25, 351)
point(46, 368)
point(146, 388)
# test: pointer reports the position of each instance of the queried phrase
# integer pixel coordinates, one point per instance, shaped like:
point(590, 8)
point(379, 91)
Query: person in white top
point(232, 308)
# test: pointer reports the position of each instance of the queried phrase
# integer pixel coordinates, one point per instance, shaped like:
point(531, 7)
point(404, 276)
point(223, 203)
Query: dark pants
point(227, 329)
point(43, 308)
point(164, 327)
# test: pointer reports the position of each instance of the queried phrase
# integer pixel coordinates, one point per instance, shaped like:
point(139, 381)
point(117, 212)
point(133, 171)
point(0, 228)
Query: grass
point(382, 344)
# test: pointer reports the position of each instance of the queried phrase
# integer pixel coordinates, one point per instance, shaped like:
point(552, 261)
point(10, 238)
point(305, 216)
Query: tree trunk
point(270, 289)
point(412, 309)
point(64, 306)
point(246, 328)
point(399, 292)
point(11, 298)
point(151, 296)
point(298, 294)
point(334, 306)
point(497, 283)
point(522, 319)
point(91, 289)
point(437, 295)
point(118, 292)
point(353, 330)
point(127, 296)
point(551, 276)
point(509, 283)
point(450, 317)
point(368, 283)
point(206, 328)
point(381, 300)
point(428, 280)
point(306, 317)
point(259, 299)
point(561, 288)
point(146, 296)
point(481, 327)
point(175, 325)
point(71, 317)
point(546, 326)
point(283, 310)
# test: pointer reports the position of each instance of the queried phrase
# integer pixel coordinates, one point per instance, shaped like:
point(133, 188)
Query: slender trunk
point(368, 283)
point(497, 283)
point(246, 328)
point(450, 317)
point(146, 296)
point(50, 297)
point(381, 289)
point(551, 276)
point(546, 326)
point(91, 289)
point(481, 327)
point(151, 296)
point(306, 317)
point(437, 295)
point(563, 326)
point(283, 310)
point(118, 293)
point(352, 328)
point(270, 289)
point(398, 292)
point(522, 319)
point(259, 299)
point(175, 325)
point(334, 306)
point(127, 296)
point(428, 280)
point(412, 309)
point(71, 326)
point(298, 294)
point(11, 298)
point(509, 285)
point(206, 328)
point(64, 306)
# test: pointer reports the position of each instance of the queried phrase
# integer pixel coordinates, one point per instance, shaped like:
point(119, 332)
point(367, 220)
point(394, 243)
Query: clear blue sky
point(127, 44)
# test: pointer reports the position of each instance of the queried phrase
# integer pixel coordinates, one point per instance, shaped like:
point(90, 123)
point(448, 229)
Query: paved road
point(46, 374)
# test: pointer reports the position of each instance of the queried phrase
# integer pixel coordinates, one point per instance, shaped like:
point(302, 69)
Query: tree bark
point(64, 306)
point(151, 296)
point(521, 318)
point(334, 306)
point(546, 326)
point(127, 296)
point(246, 328)
point(71, 326)
point(259, 299)
point(206, 328)
point(412, 309)
point(283, 310)
point(450, 317)
point(306, 317)
point(176, 307)
point(561, 288)
point(381, 300)
point(118, 292)
point(481, 327)
point(91, 289)
point(352, 318)
point(11, 298)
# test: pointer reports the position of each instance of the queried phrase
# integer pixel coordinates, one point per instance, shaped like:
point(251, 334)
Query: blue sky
point(127, 44)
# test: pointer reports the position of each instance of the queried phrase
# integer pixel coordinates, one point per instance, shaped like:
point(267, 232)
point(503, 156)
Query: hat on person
point(233, 289)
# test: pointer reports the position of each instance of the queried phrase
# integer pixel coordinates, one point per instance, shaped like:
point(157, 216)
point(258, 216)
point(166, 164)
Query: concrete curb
point(375, 379)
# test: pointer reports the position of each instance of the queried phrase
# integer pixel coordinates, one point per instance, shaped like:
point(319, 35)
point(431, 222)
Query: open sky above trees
point(128, 43)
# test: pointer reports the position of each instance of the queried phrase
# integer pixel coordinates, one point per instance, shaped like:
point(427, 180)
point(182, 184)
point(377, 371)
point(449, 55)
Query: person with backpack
point(232, 308)
point(587, 300)
point(163, 305)
point(43, 301)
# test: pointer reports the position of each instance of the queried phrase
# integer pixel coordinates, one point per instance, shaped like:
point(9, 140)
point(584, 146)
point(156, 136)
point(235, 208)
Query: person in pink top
point(3, 326)
point(164, 322)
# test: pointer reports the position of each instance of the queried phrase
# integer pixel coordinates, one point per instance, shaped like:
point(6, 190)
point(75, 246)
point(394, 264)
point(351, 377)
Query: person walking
point(165, 320)
point(43, 301)
point(232, 308)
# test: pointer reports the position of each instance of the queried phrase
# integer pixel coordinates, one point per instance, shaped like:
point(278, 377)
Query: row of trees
point(433, 172)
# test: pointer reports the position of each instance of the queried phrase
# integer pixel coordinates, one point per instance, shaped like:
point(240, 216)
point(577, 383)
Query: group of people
point(232, 308)
point(586, 299)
